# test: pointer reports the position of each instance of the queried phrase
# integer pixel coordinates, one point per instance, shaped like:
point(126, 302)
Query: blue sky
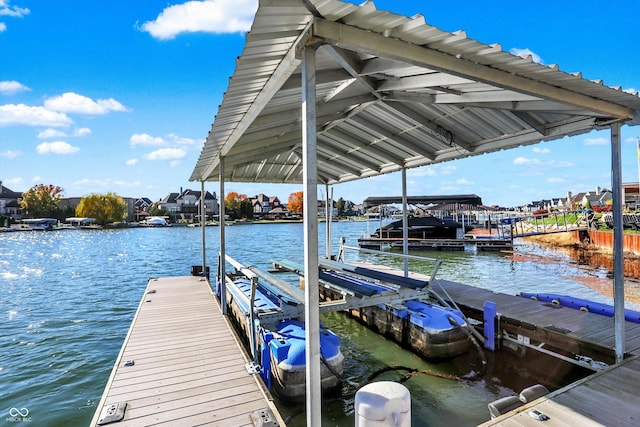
point(119, 95)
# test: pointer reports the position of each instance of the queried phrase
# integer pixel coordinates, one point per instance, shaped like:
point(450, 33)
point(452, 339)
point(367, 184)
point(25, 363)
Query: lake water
point(67, 299)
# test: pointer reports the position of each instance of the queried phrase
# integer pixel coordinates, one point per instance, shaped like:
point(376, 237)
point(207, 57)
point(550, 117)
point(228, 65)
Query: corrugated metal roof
point(392, 92)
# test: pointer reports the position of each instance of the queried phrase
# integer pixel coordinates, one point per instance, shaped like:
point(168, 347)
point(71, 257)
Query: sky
point(119, 95)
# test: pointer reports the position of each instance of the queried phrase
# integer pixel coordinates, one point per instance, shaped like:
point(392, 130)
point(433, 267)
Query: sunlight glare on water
point(67, 299)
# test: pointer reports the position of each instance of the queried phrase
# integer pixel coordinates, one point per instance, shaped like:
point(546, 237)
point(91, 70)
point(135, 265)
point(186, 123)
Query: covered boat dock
point(327, 92)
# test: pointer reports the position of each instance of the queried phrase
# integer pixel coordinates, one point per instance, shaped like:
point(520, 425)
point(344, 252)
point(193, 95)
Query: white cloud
point(128, 184)
point(3, 27)
point(81, 132)
point(10, 154)
point(524, 53)
point(539, 150)
point(555, 180)
point(15, 11)
point(131, 162)
point(422, 171)
point(57, 147)
point(448, 169)
point(560, 164)
point(596, 141)
point(51, 133)
point(12, 181)
point(36, 178)
point(70, 102)
point(20, 114)
point(463, 181)
point(179, 140)
point(525, 161)
point(166, 154)
point(54, 133)
point(10, 87)
point(212, 16)
point(146, 139)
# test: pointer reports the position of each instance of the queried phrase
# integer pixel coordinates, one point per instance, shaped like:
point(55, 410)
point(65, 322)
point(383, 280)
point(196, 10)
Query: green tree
point(246, 209)
point(105, 208)
point(340, 205)
point(41, 201)
point(233, 204)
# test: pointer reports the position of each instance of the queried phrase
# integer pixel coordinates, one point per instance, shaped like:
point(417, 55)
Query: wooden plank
point(606, 398)
point(189, 366)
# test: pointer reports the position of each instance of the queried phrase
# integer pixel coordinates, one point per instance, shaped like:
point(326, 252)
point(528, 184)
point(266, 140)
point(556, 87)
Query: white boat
point(155, 221)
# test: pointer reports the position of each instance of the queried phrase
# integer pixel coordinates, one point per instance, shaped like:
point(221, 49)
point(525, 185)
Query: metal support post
point(618, 248)
point(310, 212)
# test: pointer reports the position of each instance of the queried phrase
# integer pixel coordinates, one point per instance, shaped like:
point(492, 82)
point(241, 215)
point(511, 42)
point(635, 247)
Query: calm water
point(67, 299)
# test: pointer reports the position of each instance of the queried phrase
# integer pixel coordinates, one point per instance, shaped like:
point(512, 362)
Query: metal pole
point(618, 246)
point(310, 206)
point(405, 223)
point(327, 231)
point(202, 219)
point(222, 268)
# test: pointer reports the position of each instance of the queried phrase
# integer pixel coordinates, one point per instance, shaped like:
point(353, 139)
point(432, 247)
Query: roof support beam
point(396, 138)
point(339, 135)
point(359, 40)
point(354, 154)
point(282, 72)
point(347, 62)
point(433, 127)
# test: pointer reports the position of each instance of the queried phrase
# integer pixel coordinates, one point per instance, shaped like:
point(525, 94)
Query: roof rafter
point(352, 38)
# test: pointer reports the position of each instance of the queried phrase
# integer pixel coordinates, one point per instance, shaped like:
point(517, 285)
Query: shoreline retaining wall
point(604, 239)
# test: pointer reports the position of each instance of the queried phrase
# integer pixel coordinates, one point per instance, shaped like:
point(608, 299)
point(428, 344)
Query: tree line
point(43, 201)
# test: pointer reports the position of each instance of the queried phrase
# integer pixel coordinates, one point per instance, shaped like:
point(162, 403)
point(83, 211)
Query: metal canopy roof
point(392, 92)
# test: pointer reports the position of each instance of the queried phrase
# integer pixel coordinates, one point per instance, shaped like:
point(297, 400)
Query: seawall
point(604, 240)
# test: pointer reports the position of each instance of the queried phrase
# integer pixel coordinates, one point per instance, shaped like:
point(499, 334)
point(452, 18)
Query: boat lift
point(392, 289)
point(292, 301)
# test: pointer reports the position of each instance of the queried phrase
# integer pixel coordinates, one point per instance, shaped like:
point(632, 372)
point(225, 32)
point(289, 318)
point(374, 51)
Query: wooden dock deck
point(182, 365)
point(607, 398)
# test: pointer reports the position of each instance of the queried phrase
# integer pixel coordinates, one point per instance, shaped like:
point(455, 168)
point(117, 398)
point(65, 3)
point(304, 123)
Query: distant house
point(185, 205)
point(280, 212)
point(598, 198)
point(68, 205)
point(170, 204)
point(143, 204)
point(262, 205)
point(631, 195)
point(9, 203)
point(595, 199)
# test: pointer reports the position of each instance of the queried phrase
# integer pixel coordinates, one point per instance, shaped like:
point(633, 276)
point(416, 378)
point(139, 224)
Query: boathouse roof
point(462, 199)
point(392, 92)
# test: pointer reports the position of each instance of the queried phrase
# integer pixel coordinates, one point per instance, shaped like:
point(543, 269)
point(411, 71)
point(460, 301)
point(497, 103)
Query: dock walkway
point(607, 398)
point(181, 364)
